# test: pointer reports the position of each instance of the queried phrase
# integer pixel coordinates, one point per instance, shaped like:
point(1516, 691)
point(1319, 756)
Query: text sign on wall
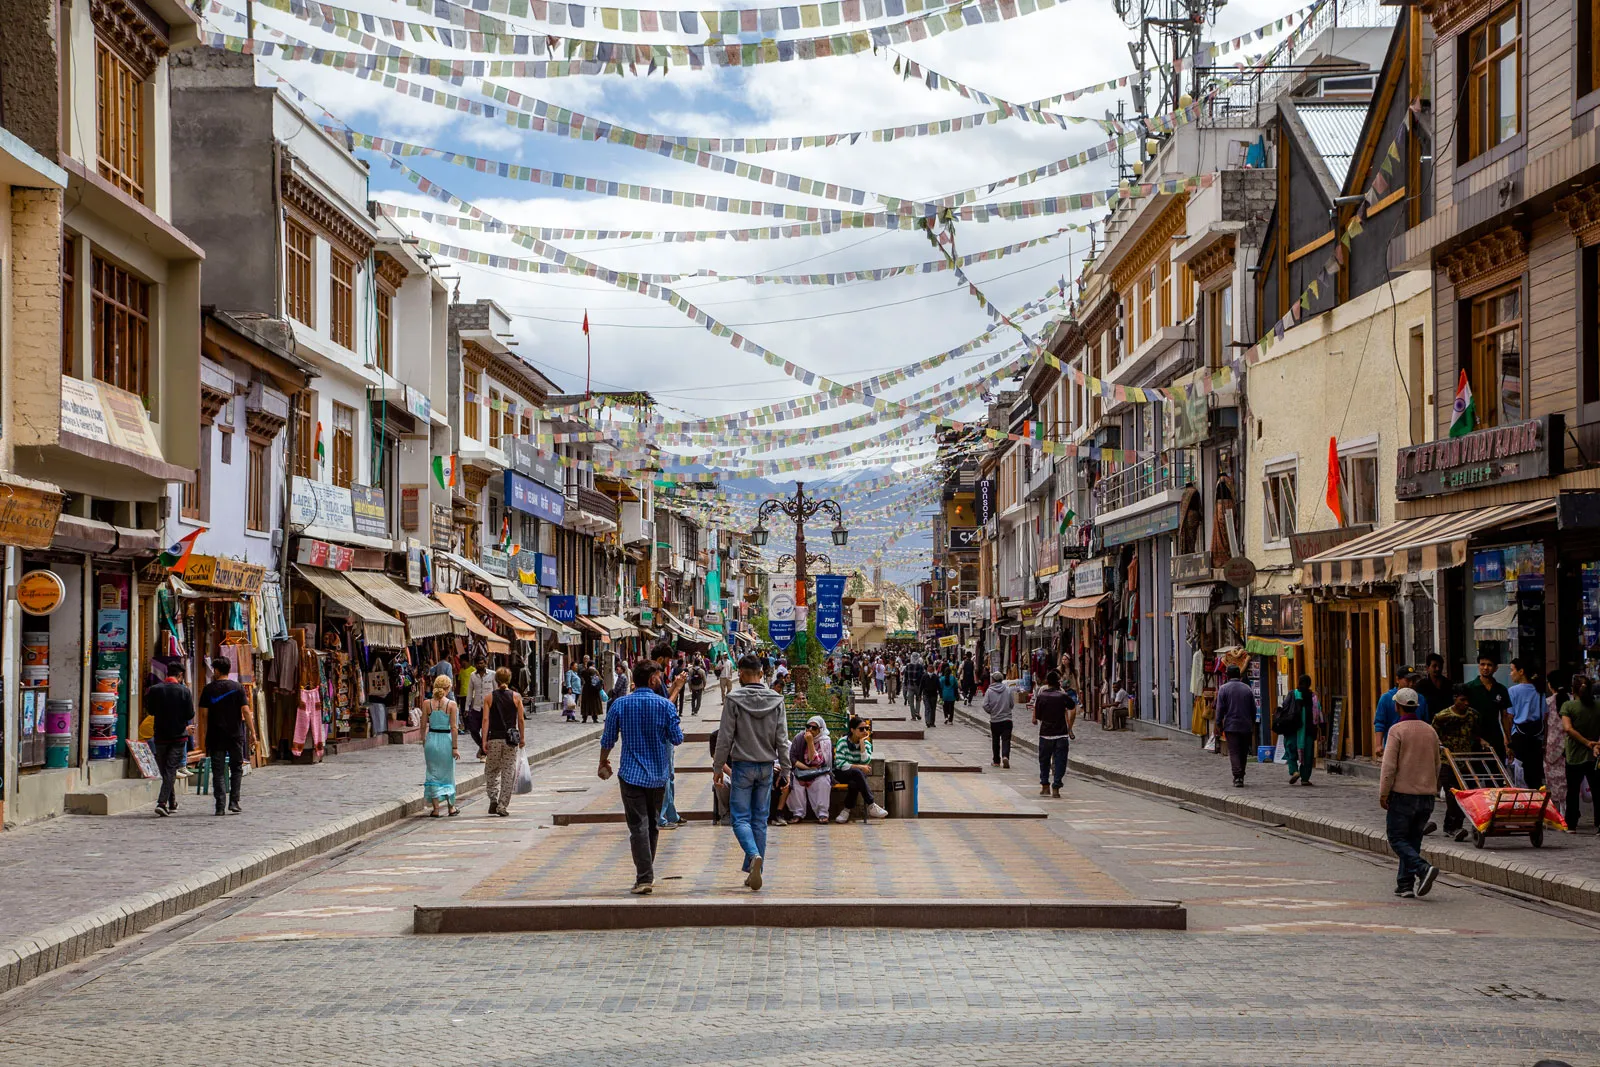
point(1502, 454)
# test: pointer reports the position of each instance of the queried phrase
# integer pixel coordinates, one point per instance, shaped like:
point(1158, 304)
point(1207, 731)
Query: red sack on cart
point(1480, 804)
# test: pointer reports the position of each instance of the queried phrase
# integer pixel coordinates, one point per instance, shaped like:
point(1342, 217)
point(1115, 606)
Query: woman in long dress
point(440, 751)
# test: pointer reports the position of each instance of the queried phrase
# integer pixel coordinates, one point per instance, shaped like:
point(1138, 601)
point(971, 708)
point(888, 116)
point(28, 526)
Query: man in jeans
point(171, 705)
point(997, 701)
point(1236, 720)
point(1053, 713)
point(1406, 789)
point(753, 734)
point(226, 735)
point(647, 724)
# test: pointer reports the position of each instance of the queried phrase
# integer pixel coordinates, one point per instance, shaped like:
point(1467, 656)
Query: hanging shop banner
point(1164, 520)
point(28, 516)
point(830, 610)
point(1089, 578)
point(40, 592)
point(985, 500)
point(714, 593)
point(418, 404)
point(780, 609)
point(526, 461)
point(564, 608)
point(965, 537)
point(529, 497)
point(545, 565)
point(219, 572)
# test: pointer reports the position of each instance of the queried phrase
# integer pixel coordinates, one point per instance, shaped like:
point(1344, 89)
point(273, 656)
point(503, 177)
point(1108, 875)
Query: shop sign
point(28, 516)
point(495, 562)
point(1495, 456)
point(40, 592)
point(781, 609)
point(948, 641)
point(1239, 572)
point(964, 537)
point(1488, 568)
point(959, 616)
point(313, 553)
point(1060, 586)
point(220, 572)
point(1192, 567)
point(526, 461)
point(985, 500)
point(564, 608)
point(441, 533)
point(647, 615)
point(529, 497)
point(1089, 578)
point(545, 565)
point(321, 504)
point(585, 605)
point(1272, 615)
point(418, 404)
point(1160, 521)
point(368, 515)
point(1302, 546)
point(414, 565)
point(107, 415)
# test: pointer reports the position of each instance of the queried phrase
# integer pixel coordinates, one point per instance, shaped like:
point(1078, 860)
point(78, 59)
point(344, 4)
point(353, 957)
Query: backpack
point(1286, 720)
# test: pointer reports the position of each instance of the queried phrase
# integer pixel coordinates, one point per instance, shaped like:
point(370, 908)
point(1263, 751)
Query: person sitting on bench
point(852, 762)
point(811, 753)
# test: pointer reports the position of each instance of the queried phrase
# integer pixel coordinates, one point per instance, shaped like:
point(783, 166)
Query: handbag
point(378, 683)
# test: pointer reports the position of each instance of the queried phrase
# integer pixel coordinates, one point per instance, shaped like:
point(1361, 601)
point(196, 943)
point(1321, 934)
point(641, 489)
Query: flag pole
point(588, 368)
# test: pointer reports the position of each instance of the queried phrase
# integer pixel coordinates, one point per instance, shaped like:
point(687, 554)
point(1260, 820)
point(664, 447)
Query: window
point(869, 614)
point(494, 418)
point(1416, 386)
point(383, 304)
point(197, 493)
point(344, 445)
point(1494, 78)
point(258, 486)
point(1588, 46)
point(121, 328)
point(1496, 368)
point(527, 425)
point(119, 121)
point(69, 298)
point(1185, 293)
point(297, 261)
point(342, 300)
point(1167, 306)
point(471, 386)
point(1147, 309)
point(305, 432)
point(1358, 488)
point(1219, 326)
point(1280, 501)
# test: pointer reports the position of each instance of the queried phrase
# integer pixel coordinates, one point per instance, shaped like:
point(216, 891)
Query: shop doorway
point(1352, 641)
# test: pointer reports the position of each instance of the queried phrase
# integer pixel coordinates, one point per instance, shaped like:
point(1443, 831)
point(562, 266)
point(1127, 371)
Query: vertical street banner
point(780, 609)
point(830, 610)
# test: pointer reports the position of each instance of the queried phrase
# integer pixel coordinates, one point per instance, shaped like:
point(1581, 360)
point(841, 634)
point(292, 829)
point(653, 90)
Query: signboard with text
point(526, 461)
point(1514, 453)
point(564, 608)
point(830, 610)
point(965, 536)
point(529, 497)
point(367, 512)
point(1089, 578)
point(985, 500)
point(781, 609)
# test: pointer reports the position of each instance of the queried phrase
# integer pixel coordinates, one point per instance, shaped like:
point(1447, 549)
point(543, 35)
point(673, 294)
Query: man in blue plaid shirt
point(647, 724)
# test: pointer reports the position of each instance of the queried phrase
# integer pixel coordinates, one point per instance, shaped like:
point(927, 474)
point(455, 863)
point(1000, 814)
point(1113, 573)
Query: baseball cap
point(1406, 696)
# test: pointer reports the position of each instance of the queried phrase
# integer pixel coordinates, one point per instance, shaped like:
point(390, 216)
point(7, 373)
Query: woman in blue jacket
point(948, 690)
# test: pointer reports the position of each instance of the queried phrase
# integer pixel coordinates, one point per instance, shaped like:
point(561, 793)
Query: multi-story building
point(101, 396)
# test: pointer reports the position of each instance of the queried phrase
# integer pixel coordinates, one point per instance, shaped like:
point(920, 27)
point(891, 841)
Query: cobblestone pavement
point(77, 864)
point(1297, 954)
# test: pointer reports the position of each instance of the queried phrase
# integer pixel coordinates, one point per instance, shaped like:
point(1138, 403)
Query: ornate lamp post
point(800, 508)
point(812, 559)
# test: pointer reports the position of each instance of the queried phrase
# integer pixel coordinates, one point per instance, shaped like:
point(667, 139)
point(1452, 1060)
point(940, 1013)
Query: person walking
point(725, 675)
point(997, 702)
point(1555, 740)
point(892, 678)
point(697, 685)
point(1492, 703)
point(1236, 720)
point(880, 673)
point(949, 690)
point(669, 684)
point(852, 762)
point(226, 735)
point(170, 705)
point(913, 682)
point(1296, 722)
point(1407, 785)
point(502, 739)
point(930, 697)
point(590, 706)
point(865, 668)
point(1580, 720)
point(969, 679)
point(1456, 727)
point(647, 725)
point(1434, 689)
point(1054, 714)
point(439, 750)
point(1527, 724)
point(1386, 715)
point(753, 735)
point(479, 686)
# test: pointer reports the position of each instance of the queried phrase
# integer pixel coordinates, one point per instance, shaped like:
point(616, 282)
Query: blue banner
point(564, 608)
point(548, 573)
point(830, 610)
point(781, 633)
point(531, 498)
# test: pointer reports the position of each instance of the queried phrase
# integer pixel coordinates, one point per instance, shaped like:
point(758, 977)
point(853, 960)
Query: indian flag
point(1465, 417)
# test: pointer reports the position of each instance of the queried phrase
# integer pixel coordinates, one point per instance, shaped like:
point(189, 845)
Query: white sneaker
point(875, 812)
point(843, 816)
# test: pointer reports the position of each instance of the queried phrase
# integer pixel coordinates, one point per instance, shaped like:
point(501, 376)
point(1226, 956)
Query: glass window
point(305, 432)
point(119, 121)
point(1358, 489)
point(69, 298)
point(121, 328)
point(298, 258)
point(342, 302)
point(259, 486)
point(197, 492)
point(494, 418)
point(383, 344)
point(1493, 75)
point(1496, 371)
point(344, 445)
point(471, 387)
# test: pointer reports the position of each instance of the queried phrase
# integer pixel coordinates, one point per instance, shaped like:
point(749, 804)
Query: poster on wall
point(780, 609)
point(830, 610)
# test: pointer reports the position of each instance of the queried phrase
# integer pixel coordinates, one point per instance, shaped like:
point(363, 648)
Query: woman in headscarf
point(811, 752)
point(589, 704)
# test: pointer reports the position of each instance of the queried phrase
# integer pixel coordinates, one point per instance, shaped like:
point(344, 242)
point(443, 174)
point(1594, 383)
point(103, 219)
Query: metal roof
point(1335, 132)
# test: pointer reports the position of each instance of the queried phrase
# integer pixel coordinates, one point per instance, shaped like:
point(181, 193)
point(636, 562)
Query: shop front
point(432, 634)
point(1143, 546)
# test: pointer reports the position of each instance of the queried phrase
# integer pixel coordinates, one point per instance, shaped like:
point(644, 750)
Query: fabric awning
point(1497, 624)
point(519, 629)
point(423, 617)
point(565, 634)
point(1082, 607)
point(1416, 546)
point(618, 628)
point(586, 623)
point(1048, 615)
point(1270, 646)
point(379, 629)
point(502, 589)
point(692, 634)
point(1195, 600)
point(458, 606)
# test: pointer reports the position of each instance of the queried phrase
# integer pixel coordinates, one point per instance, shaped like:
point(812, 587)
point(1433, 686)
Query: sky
point(845, 332)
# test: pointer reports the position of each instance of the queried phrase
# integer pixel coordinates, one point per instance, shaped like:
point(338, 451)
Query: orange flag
point(1333, 480)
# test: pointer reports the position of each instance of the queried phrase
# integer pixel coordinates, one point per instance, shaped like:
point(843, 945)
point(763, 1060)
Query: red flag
point(586, 322)
point(1333, 480)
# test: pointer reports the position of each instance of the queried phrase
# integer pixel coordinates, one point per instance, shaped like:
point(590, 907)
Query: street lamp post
point(812, 559)
point(800, 508)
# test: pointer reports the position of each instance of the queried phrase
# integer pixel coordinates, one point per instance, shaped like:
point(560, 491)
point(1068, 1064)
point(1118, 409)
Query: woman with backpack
point(1297, 721)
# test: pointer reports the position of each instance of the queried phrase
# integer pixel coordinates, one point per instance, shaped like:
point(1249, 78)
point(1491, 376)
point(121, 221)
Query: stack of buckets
point(103, 714)
point(56, 723)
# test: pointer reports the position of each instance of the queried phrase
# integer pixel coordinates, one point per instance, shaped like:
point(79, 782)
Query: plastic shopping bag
point(524, 783)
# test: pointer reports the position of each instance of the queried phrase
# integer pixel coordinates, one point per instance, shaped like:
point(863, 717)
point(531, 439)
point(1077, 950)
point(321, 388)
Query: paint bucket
point(36, 677)
point(108, 682)
point(102, 722)
point(58, 733)
point(36, 650)
point(103, 748)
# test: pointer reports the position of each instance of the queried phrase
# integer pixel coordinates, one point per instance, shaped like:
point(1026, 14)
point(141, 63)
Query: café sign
point(965, 536)
point(28, 516)
point(1494, 456)
point(220, 572)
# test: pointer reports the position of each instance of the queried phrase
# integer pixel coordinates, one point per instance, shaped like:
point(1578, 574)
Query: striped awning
point(377, 628)
point(1416, 546)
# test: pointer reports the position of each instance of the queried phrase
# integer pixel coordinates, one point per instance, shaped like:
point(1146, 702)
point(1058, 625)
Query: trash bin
point(900, 788)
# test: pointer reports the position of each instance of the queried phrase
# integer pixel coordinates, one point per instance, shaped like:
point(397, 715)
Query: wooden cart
point(1516, 810)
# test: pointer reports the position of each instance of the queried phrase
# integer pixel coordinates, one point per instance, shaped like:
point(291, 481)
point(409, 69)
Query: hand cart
point(1511, 810)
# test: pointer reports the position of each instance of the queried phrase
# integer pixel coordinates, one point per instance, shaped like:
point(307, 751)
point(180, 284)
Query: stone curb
point(1488, 867)
point(61, 945)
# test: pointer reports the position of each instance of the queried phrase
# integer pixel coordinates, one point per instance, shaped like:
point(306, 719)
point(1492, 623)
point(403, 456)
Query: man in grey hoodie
point(753, 734)
point(997, 701)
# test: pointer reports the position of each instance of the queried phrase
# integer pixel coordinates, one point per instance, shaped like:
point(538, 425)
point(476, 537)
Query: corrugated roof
point(1335, 132)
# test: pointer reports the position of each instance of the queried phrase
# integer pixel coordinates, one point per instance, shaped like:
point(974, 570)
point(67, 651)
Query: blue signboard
point(531, 498)
point(545, 564)
point(830, 610)
point(781, 633)
point(564, 608)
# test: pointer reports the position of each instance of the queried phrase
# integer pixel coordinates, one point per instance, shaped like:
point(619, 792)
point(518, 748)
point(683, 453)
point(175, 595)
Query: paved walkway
point(1339, 808)
point(76, 883)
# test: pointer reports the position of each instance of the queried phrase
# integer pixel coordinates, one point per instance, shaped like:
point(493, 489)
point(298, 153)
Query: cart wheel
point(1478, 839)
point(1536, 836)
